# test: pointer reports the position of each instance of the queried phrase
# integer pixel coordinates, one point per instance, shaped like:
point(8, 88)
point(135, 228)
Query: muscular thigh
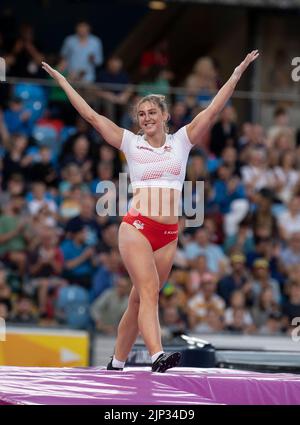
point(138, 258)
point(164, 258)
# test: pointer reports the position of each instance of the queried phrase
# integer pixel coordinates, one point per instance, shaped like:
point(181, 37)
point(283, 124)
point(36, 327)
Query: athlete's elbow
point(89, 117)
point(212, 112)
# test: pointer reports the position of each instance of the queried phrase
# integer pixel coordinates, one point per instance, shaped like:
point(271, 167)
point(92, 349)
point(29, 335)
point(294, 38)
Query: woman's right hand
point(53, 73)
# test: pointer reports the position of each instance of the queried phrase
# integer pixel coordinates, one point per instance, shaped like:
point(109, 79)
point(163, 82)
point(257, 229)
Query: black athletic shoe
point(110, 366)
point(166, 361)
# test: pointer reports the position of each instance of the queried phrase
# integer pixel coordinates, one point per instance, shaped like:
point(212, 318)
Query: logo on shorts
point(138, 224)
point(170, 232)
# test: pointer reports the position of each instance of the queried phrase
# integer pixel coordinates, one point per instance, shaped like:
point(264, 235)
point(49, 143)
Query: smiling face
point(151, 118)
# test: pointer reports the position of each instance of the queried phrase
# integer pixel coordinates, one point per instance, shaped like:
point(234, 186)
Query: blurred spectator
point(4, 135)
point(44, 170)
point(81, 156)
point(155, 80)
point(272, 325)
point(70, 205)
point(108, 155)
point(264, 222)
point(71, 176)
point(15, 187)
point(82, 53)
point(14, 235)
point(262, 280)
point(180, 116)
point(257, 175)
point(290, 255)
point(229, 156)
point(279, 73)
point(5, 290)
point(202, 82)
point(157, 56)
point(78, 266)
point(242, 240)
point(4, 311)
point(289, 221)
point(224, 132)
point(238, 323)
point(230, 196)
point(264, 306)
point(17, 117)
point(115, 97)
point(42, 200)
point(17, 160)
point(280, 125)
point(237, 317)
point(45, 268)
point(216, 259)
point(286, 175)
point(204, 300)
point(109, 307)
point(171, 322)
point(109, 238)
point(245, 137)
point(24, 311)
point(106, 274)
point(105, 173)
point(87, 219)
point(238, 279)
point(291, 308)
point(24, 60)
point(212, 323)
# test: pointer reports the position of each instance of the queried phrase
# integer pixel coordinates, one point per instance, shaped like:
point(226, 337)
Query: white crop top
point(157, 167)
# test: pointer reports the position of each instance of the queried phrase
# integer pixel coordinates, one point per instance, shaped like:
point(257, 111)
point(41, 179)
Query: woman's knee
point(149, 294)
point(134, 302)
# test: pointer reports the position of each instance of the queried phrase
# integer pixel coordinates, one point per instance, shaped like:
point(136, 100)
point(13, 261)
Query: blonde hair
point(157, 99)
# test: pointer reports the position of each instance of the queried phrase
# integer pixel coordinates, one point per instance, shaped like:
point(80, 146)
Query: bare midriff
point(157, 203)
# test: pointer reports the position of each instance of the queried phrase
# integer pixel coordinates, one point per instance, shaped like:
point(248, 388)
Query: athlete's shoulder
point(128, 138)
point(182, 136)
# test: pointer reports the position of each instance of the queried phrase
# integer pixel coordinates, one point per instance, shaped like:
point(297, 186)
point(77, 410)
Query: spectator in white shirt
point(286, 176)
point(205, 300)
point(42, 201)
point(257, 175)
point(289, 221)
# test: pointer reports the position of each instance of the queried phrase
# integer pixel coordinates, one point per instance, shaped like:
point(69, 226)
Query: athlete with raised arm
point(148, 233)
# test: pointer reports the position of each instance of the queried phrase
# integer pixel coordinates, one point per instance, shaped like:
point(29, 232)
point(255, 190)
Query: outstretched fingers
point(252, 56)
point(52, 72)
point(47, 67)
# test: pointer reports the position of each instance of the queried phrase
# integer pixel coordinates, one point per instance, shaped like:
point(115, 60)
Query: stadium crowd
point(60, 265)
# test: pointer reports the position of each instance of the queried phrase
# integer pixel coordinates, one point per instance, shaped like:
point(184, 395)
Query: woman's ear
point(166, 117)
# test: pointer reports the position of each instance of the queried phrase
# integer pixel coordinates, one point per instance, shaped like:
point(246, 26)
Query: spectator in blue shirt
point(216, 259)
point(17, 118)
point(227, 188)
point(78, 266)
point(82, 53)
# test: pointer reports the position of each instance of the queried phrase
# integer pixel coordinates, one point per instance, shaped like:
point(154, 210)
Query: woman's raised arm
point(110, 131)
point(205, 119)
